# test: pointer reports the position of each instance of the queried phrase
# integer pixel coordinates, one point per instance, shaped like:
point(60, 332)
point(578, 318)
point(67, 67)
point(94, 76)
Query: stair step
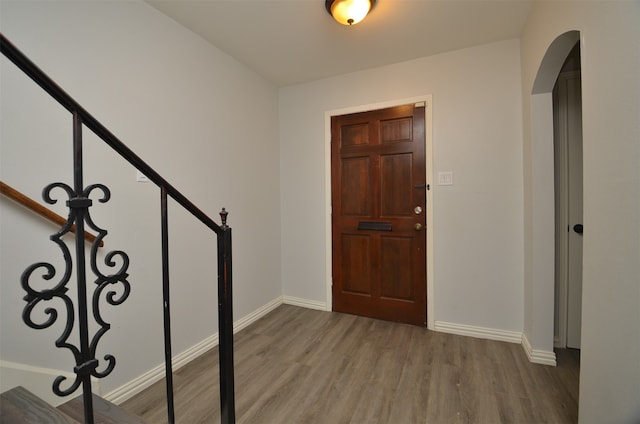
point(105, 412)
point(19, 405)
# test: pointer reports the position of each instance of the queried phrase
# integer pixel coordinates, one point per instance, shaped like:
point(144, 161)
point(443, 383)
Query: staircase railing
point(79, 203)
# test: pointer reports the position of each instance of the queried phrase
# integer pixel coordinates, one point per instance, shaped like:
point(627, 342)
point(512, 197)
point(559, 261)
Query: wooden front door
point(378, 214)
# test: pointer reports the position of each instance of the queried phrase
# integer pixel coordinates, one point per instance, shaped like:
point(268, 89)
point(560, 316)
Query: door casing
point(427, 100)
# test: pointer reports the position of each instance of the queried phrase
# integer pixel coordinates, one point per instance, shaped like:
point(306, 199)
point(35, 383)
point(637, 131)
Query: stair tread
point(19, 405)
point(105, 412)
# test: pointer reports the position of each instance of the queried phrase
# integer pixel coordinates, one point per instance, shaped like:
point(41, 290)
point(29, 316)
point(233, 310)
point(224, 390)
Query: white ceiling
point(295, 41)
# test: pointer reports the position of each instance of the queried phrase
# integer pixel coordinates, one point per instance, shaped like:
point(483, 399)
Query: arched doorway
point(542, 168)
point(539, 203)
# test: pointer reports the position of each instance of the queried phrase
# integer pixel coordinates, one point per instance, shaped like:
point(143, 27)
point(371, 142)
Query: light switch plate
point(445, 178)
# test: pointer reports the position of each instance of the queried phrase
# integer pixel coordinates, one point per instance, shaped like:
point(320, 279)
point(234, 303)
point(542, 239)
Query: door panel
point(355, 135)
point(356, 186)
point(356, 264)
point(379, 242)
point(395, 185)
point(394, 130)
point(397, 269)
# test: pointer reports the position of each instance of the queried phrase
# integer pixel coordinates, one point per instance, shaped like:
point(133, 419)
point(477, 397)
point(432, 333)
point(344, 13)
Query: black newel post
point(225, 323)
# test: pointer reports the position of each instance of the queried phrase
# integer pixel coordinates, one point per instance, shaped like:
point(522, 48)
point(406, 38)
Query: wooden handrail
point(36, 207)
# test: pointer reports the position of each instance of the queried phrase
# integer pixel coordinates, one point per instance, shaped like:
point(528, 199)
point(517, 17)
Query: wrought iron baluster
point(166, 305)
point(84, 354)
point(81, 204)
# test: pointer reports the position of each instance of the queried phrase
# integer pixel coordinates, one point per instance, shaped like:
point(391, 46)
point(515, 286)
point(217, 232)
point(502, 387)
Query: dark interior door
point(378, 214)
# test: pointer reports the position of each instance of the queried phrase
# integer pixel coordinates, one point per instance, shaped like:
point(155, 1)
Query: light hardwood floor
point(299, 365)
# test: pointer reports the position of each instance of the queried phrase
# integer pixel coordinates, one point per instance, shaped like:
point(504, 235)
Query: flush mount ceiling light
point(349, 12)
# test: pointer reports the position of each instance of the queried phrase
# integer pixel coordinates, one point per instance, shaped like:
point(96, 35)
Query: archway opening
point(544, 128)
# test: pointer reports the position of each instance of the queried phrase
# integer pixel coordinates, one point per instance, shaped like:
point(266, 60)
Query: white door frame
point(427, 100)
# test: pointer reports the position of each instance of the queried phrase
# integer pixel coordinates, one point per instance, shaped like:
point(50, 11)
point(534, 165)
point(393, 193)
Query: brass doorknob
point(418, 226)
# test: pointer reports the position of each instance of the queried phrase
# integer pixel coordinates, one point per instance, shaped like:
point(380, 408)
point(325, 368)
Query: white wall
point(204, 121)
point(610, 364)
point(478, 233)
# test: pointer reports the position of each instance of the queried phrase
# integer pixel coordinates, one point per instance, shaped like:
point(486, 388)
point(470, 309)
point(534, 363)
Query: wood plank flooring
point(299, 365)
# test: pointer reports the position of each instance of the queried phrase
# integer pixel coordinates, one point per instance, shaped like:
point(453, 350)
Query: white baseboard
point(138, 384)
point(478, 332)
point(534, 355)
point(257, 314)
point(537, 356)
point(154, 375)
point(305, 303)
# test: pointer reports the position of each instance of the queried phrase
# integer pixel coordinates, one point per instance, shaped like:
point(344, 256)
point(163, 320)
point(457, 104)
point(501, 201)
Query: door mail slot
point(375, 226)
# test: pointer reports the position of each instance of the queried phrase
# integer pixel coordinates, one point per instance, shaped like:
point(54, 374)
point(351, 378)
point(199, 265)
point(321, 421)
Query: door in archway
point(567, 101)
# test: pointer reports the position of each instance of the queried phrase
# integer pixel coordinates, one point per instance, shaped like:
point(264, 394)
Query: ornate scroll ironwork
point(85, 359)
